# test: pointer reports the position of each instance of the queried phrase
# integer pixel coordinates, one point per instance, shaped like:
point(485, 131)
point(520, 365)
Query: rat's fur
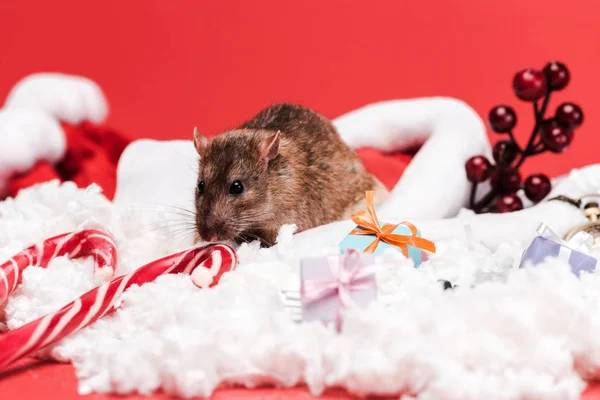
point(309, 178)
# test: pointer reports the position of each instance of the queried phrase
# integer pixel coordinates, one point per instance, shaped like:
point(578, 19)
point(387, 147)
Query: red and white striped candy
point(86, 243)
point(96, 303)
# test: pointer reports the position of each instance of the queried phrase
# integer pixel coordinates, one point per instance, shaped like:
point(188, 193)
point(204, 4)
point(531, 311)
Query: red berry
point(502, 119)
point(505, 152)
point(507, 181)
point(529, 84)
point(537, 187)
point(478, 169)
point(508, 203)
point(557, 75)
point(555, 137)
point(569, 115)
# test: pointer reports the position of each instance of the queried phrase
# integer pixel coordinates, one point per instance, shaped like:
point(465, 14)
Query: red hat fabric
point(92, 155)
point(53, 128)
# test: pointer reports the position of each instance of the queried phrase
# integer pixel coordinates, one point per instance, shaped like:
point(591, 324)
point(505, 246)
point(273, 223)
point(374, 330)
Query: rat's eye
point(201, 187)
point(236, 187)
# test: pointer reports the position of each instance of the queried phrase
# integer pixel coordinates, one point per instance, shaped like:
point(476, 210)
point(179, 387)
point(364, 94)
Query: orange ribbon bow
point(369, 225)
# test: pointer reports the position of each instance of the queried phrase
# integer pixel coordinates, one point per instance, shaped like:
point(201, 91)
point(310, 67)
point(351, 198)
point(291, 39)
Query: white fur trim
point(451, 131)
point(27, 136)
point(68, 98)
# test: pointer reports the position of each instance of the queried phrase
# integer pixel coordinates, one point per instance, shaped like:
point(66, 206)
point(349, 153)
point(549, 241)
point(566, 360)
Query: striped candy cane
point(99, 301)
point(86, 243)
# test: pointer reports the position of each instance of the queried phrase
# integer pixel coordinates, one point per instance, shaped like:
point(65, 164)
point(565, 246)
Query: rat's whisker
point(173, 223)
point(184, 218)
point(239, 221)
point(167, 212)
point(183, 225)
point(243, 238)
point(184, 229)
point(251, 235)
point(188, 224)
point(169, 206)
point(252, 218)
point(182, 237)
point(244, 227)
point(166, 226)
point(187, 161)
point(182, 232)
point(180, 227)
point(161, 205)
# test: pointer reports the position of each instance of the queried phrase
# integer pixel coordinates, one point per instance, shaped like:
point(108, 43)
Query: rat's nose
point(213, 239)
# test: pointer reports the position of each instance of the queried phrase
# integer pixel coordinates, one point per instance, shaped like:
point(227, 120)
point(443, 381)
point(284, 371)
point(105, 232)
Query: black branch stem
point(539, 117)
point(537, 151)
point(533, 148)
point(512, 138)
point(472, 197)
point(477, 207)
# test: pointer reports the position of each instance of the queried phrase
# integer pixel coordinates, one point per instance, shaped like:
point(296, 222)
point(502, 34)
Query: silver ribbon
point(581, 242)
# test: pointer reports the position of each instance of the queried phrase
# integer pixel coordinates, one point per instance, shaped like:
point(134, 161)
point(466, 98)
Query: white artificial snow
point(504, 333)
point(142, 235)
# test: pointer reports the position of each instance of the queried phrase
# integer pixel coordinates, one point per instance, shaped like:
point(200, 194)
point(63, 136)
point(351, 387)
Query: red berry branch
point(552, 134)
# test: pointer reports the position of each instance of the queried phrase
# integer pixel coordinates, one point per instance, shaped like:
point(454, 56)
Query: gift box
point(361, 242)
point(548, 245)
point(328, 285)
point(373, 237)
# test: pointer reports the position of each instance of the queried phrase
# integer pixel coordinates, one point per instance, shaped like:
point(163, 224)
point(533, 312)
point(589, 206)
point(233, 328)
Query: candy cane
point(96, 303)
point(87, 243)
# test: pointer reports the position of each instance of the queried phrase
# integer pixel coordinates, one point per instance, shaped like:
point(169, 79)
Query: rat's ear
point(200, 142)
point(269, 147)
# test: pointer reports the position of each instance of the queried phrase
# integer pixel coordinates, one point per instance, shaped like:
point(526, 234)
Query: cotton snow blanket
point(502, 333)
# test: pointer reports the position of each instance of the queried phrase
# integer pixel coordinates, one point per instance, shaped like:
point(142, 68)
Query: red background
point(168, 66)
point(31, 380)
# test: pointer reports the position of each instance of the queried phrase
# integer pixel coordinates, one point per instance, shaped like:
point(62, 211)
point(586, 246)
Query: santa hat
point(52, 126)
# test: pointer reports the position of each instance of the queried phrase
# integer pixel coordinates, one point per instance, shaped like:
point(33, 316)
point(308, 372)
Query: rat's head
point(232, 182)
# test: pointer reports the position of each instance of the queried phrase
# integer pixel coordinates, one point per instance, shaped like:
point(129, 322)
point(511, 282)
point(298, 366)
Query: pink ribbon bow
point(347, 276)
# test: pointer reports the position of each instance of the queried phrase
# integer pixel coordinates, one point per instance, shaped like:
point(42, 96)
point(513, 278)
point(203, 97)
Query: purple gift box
point(323, 272)
point(548, 244)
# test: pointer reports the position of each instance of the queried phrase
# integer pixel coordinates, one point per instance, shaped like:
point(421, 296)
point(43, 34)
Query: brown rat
point(286, 165)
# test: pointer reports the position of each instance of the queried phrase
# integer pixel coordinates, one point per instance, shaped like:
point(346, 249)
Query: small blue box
point(361, 242)
point(542, 248)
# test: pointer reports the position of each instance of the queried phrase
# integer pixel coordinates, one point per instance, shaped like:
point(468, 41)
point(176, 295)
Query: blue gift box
point(542, 248)
point(360, 242)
